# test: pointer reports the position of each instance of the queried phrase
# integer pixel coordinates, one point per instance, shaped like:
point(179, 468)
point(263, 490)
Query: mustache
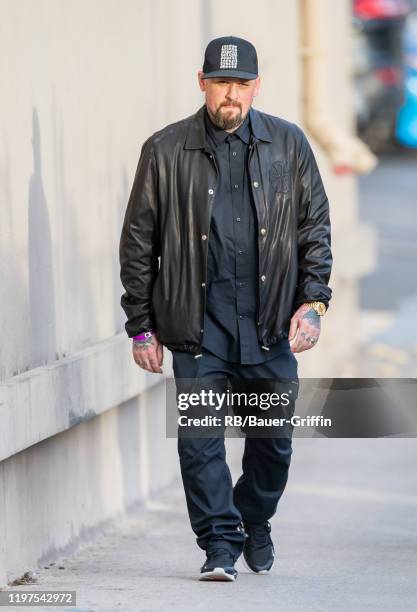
point(230, 104)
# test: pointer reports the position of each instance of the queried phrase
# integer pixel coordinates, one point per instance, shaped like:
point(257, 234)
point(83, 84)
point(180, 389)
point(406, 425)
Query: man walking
point(225, 259)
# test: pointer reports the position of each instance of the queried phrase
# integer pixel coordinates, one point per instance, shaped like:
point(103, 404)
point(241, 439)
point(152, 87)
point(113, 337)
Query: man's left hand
point(304, 329)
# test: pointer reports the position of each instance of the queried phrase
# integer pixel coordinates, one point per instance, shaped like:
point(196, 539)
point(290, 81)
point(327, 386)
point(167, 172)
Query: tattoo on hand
point(312, 317)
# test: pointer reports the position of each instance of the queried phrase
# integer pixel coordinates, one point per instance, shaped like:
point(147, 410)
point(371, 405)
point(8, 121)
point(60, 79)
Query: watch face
point(321, 308)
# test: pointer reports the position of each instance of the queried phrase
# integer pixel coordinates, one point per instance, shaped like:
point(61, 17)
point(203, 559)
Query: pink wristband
point(144, 336)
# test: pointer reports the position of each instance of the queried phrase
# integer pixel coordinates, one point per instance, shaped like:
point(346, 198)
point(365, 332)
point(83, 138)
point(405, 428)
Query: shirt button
point(263, 278)
point(263, 231)
point(211, 191)
point(255, 184)
point(203, 237)
point(203, 284)
point(201, 331)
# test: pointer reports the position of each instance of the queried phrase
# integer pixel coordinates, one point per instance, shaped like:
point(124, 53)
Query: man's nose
point(232, 91)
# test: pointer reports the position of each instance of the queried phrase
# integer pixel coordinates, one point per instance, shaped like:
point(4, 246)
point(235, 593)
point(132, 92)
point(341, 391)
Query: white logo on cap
point(228, 56)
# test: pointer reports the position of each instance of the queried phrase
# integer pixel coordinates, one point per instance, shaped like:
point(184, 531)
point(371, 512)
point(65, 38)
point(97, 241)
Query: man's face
point(228, 99)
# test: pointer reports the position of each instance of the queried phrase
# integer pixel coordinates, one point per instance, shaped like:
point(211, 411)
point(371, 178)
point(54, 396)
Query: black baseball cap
point(230, 56)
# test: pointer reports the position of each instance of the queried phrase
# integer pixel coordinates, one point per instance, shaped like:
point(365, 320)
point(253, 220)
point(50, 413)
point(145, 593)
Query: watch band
point(319, 307)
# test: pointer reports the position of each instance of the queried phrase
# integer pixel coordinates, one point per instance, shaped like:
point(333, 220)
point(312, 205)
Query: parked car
point(378, 68)
point(406, 131)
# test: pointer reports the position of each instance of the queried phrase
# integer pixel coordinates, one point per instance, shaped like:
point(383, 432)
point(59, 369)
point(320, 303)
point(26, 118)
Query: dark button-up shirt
point(230, 325)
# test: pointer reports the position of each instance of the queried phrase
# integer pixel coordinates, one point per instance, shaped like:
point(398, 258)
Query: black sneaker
point(220, 565)
point(258, 550)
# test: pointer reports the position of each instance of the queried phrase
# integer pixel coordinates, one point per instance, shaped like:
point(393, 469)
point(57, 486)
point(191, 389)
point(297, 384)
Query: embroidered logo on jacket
point(279, 177)
point(228, 56)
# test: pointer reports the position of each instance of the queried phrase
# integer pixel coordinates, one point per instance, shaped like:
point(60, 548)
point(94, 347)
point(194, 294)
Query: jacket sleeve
point(139, 245)
point(314, 240)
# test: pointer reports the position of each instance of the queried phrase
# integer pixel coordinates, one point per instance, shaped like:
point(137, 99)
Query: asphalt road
point(388, 295)
point(388, 201)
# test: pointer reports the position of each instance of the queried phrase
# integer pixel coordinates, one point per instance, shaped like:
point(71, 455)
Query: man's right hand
point(149, 354)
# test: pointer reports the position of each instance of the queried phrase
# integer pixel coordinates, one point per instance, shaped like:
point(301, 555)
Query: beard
point(227, 118)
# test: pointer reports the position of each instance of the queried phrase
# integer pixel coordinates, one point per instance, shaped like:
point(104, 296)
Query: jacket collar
point(196, 134)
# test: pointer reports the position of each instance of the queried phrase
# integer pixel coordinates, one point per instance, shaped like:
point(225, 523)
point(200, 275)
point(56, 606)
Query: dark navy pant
point(215, 507)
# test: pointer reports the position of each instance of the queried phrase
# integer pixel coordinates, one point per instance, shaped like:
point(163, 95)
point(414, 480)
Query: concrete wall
point(85, 82)
point(62, 491)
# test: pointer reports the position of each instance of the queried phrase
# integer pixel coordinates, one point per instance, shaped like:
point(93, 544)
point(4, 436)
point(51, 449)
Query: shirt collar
point(219, 135)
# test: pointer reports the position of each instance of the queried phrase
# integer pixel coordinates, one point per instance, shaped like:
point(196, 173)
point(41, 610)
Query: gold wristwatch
point(319, 307)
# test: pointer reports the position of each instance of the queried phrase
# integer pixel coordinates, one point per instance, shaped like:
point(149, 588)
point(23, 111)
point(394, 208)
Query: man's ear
point(201, 81)
point(257, 86)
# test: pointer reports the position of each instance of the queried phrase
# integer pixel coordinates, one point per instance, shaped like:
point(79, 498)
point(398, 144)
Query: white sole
point(219, 574)
point(253, 571)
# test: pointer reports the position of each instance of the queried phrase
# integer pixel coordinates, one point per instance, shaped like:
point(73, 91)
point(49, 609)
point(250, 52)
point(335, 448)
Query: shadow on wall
point(13, 349)
point(119, 317)
point(41, 282)
point(78, 267)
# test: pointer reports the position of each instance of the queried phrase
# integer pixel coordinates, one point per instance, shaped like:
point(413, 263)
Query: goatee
point(225, 120)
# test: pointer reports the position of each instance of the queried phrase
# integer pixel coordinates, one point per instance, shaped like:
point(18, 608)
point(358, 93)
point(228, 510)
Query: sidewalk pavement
point(345, 534)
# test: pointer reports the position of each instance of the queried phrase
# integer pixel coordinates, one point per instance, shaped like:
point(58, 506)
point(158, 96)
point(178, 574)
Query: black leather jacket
point(164, 240)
